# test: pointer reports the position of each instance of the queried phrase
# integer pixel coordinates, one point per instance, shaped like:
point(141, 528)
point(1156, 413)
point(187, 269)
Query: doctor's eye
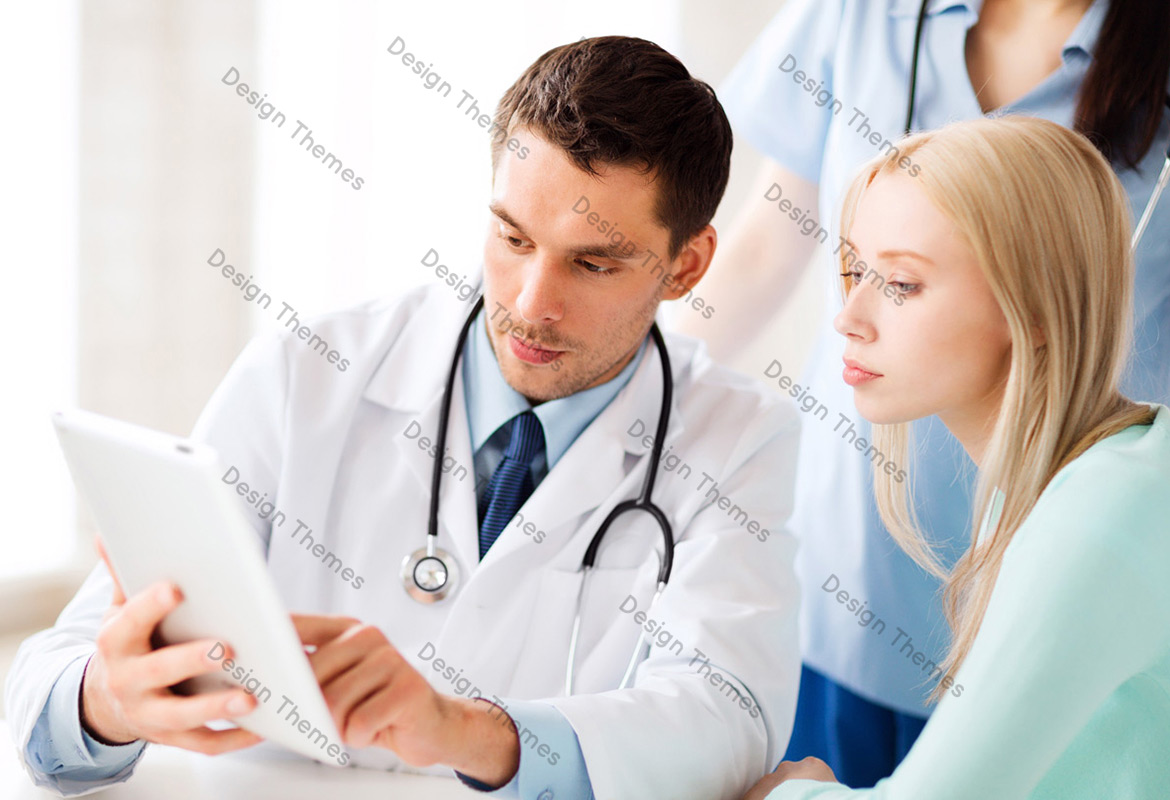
point(511, 241)
point(594, 268)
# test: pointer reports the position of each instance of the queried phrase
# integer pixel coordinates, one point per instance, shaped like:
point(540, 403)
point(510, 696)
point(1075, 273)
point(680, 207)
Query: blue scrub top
point(823, 124)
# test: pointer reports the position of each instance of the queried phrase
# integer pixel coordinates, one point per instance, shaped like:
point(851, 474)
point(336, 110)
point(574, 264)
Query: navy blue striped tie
point(511, 483)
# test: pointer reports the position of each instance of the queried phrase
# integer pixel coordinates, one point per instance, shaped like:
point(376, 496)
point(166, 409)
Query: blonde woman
point(1010, 255)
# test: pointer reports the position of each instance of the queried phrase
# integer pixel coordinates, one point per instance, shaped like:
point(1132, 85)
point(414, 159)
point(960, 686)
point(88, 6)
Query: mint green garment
point(1066, 690)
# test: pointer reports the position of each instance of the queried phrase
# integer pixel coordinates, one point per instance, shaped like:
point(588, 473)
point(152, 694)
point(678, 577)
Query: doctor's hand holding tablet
point(125, 694)
point(374, 696)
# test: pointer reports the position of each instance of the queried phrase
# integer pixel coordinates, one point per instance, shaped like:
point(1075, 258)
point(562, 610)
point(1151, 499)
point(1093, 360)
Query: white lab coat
point(329, 448)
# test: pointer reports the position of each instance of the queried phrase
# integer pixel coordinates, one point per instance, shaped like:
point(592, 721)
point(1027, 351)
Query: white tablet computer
point(164, 515)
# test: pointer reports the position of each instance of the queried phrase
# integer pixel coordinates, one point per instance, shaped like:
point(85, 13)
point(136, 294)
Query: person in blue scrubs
point(822, 90)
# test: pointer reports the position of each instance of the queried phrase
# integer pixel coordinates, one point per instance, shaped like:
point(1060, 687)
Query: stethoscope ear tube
point(1152, 203)
point(914, 67)
point(642, 503)
point(444, 417)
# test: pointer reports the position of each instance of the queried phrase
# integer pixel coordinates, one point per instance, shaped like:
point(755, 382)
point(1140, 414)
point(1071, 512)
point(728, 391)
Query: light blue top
point(74, 761)
point(1065, 693)
point(855, 56)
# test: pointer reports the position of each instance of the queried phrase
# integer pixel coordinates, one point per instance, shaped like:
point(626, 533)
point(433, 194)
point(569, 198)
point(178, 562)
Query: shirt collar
point(909, 8)
point(1083, 37)
point(493, 402)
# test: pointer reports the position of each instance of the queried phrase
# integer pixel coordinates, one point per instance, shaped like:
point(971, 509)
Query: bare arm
point(757, 268)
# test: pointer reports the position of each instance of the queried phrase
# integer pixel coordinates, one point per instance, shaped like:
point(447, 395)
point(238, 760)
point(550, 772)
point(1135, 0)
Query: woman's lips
point(531, 354)
point(854, 375)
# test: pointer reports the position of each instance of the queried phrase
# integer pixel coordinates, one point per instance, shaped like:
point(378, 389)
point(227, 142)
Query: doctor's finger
point(119, 596)
point(128, 632)
point(318, 629)
point(178, 662)
point(209, 742)
point(171, 714)
point(358, 644)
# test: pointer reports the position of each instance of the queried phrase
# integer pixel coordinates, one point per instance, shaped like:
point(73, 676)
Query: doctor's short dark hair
point(622, 101)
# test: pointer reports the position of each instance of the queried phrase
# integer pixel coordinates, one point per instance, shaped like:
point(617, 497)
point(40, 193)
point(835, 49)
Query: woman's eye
point(900, 288)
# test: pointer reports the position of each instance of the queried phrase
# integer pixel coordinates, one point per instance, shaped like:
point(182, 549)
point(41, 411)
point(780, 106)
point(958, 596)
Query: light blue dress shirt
point(491, 406)
point(59, 746)
point(855, 60)
point(71, 758)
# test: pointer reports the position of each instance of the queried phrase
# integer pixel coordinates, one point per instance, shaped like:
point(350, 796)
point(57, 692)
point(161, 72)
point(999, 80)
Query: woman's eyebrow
point(911, 254)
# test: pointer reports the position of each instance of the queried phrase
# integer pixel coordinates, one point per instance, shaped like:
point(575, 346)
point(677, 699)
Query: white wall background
point(38, 302)
point(129, 162)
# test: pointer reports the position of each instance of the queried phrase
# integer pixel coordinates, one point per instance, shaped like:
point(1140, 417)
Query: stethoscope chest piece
point(429, 574)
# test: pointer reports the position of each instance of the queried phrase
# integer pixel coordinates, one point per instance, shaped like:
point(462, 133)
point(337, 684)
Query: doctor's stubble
point(586, 364)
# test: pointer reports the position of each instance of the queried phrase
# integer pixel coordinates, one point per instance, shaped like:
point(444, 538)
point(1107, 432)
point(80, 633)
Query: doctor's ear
point(691, 264)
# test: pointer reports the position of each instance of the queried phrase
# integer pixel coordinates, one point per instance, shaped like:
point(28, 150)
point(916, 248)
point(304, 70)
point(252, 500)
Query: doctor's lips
point(856, 374)
point(531, 353)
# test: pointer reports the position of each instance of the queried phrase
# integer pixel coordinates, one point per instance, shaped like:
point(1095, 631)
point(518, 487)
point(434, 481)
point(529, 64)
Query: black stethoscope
point(1159, 185)
point(430, 573)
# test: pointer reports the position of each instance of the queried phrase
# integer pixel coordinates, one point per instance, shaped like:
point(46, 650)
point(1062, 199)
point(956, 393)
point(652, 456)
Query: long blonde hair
point(1049, 224)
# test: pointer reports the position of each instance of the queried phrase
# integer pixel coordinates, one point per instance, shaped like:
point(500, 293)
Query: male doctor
point(609, 161)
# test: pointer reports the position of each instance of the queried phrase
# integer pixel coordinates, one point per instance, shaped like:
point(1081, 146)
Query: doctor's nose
point(541, 297)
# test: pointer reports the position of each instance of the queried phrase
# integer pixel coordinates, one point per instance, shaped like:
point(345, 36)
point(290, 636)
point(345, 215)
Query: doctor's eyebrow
point(498, 211)
point(615, 251)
